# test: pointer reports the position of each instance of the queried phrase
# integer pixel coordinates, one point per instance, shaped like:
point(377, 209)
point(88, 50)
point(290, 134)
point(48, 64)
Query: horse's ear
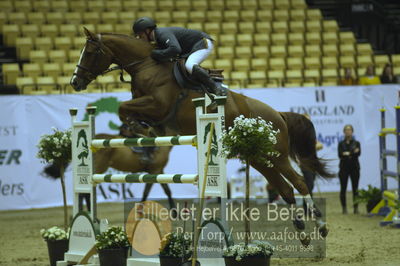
point(90, 35)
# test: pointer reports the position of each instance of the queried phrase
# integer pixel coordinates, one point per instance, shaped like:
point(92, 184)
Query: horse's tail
point(302, 144)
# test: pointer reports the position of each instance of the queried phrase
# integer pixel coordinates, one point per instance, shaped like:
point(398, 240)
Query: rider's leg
point(192, 65)
point(199, 56)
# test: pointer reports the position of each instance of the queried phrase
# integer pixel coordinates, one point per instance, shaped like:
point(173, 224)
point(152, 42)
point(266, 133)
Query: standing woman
point(349, 150)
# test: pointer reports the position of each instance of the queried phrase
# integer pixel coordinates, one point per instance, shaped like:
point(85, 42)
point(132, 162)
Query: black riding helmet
point(141, 24)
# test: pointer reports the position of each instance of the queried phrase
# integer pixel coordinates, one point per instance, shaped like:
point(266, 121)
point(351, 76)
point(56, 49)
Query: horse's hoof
point(299, 224)
point(174, 214)
point(306, 240)
point(323, 230)
point(317, 213)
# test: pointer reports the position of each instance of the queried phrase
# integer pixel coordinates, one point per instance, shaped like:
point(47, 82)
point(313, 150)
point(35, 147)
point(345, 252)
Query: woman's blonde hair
point(350, 126)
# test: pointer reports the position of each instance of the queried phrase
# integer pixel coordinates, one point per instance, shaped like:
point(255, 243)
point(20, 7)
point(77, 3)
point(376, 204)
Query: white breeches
point(199, 56)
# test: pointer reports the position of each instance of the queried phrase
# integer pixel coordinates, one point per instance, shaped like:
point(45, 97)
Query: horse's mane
point(129, 38)
point(118, 34)
point(125, 36)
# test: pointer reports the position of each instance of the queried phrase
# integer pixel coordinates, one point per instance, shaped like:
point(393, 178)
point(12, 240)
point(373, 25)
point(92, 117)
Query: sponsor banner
point(24, 119)
point(14, 156)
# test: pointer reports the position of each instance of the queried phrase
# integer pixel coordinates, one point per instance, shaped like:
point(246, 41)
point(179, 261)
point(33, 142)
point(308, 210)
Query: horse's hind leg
point(146, 191)
point(298, 182)
point(165, 187)
point(286, 191)
point(169, 195)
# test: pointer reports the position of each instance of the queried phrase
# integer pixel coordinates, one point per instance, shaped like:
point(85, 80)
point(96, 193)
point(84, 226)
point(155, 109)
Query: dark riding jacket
point(173, 42)
point(351, 160)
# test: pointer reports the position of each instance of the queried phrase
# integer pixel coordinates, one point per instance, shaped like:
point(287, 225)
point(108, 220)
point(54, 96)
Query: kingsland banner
point(23, 119)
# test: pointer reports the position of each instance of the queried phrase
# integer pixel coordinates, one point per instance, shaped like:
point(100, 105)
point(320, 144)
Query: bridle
point(90, 75)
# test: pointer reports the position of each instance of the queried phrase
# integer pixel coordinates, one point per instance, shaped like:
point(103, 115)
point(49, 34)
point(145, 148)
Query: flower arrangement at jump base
point(56, 149)
point(250, 140)
point(254, 254)
point(54, 233)
point(175, 249)
point(112, 247)
point(57, 243)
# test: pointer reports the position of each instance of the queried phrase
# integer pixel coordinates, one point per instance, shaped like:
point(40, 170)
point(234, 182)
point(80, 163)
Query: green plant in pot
point(55, 149)
point(370, 196)
point(57, 243)
point(175, 249)
point(258, 253)
point(112, 247)
point(250, 140)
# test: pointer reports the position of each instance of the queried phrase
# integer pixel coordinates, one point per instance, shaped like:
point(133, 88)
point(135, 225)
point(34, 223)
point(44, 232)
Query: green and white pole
point(146, 178)
point(144, 142)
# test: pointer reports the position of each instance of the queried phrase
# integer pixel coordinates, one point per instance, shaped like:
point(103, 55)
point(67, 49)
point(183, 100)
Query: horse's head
point(95, 59)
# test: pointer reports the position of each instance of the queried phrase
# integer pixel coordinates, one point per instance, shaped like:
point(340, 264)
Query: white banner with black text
point(23, 119)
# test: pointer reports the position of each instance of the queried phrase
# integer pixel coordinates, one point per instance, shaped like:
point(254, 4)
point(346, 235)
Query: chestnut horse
point(158, 99)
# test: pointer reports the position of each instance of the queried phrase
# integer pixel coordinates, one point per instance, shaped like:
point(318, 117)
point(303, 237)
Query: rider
point(174, 42)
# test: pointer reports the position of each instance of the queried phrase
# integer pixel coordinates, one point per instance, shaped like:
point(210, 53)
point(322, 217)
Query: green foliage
point(106, 105)
point(242, 250)
point(397, 207)
point(53, 234)
point(372, 193)
point(55, 148)
point(250, 139)
point(175, 245)
point(113, 238)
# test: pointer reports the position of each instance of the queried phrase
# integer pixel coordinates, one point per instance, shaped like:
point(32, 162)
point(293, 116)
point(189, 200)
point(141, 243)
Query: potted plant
point(250, 140)
point(175, 249)
point(371, 196)
point(258, 253)
point(112, 247)
point(55, 149)
point(57, 243)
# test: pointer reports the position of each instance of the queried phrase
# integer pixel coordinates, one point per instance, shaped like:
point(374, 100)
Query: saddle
point(185, 80)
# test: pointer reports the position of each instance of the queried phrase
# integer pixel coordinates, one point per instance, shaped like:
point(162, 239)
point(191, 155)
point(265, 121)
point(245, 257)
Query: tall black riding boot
point(201, 75)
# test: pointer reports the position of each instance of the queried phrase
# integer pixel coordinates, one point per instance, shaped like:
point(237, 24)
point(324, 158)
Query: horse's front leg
point(140, 108)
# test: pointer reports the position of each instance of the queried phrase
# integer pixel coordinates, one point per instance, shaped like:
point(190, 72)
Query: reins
point(100, 50)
